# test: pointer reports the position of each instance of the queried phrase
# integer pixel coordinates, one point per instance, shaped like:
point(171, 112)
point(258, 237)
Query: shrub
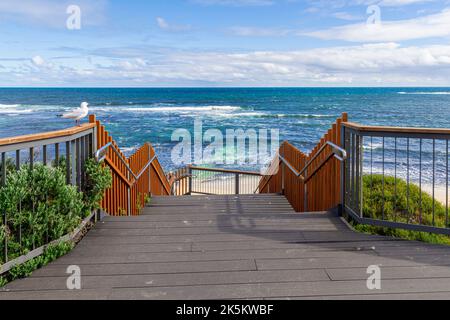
point(50, 254)
point(98, 179)
point(418, 210)
point(40, 208)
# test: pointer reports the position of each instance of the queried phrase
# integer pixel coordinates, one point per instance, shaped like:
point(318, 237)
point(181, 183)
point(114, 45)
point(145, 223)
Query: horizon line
point(219, 87)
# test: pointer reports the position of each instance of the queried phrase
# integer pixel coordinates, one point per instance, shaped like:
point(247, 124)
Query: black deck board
point(246, 247)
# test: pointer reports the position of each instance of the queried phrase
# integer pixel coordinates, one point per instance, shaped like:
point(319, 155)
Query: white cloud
point(371, 64)
point(399, 3)
point(334, 4)
point(37, 61)
point(51, 12)
point(236, 3)
point(164, 25)
point(259, 32)
point(436, 25)
point(345, 16)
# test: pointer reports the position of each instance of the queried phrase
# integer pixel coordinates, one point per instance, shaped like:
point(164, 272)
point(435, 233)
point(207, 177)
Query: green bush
point(418, 210)
point(10, 165)
point(50, 254)
point(98, 179)
point(39, 207)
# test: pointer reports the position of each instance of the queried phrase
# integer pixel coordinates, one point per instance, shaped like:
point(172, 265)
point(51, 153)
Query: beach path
point(238, 247)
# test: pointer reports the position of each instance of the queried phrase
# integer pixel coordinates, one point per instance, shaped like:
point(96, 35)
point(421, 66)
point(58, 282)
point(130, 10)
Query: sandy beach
point(440, 193)
point(249, 184)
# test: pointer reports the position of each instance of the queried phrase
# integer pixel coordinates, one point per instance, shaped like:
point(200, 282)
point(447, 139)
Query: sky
point(224, 43)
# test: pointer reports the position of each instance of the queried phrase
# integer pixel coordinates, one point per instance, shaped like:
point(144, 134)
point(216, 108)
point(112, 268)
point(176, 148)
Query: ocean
point(302, 115)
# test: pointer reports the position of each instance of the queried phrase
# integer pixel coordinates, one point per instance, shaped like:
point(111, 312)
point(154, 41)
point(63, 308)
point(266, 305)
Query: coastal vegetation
point(404, 203)
point(40, 208)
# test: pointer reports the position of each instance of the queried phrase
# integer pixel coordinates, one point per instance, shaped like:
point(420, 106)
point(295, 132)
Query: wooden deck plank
point(278, 254)
point(302, 289)
point(55, 270)
point(425, 271)
point(108, 249)
point(363, 260)
point(245, 247)
point(175, 279)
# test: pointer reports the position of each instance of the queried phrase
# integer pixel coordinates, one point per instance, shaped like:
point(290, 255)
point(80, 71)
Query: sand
point(440, 193)
point(249, 184)
point(224, 186)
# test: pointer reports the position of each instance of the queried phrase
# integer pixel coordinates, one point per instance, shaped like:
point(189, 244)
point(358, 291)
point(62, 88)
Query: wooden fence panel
point(322, 192)
point(127, 195)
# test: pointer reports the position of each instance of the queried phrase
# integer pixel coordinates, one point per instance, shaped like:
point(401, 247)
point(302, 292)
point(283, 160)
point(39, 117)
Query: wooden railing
point(310, 182)
point(134, 178)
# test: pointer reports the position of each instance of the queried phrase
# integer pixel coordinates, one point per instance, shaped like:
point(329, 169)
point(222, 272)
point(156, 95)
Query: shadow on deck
point(236, 247)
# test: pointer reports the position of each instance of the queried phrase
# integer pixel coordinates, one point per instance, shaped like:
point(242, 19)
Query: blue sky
point(226, 43)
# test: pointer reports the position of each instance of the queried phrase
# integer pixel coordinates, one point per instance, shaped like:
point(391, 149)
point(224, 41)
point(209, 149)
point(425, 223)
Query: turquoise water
point(302, 115)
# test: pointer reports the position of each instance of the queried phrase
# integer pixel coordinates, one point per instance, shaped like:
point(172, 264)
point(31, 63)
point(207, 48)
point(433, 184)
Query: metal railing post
point(343, 173)
point(361, 175)
point(129, 201)
point(68, 171)
point(305, 194)
point(74, 162)
point(149, 171)
point(237, 183)
point(190, 179)
point(283, 172)
point(5, 218)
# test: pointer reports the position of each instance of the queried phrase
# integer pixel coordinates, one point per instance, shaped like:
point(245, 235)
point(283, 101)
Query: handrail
point(46, 135)
point(299, 174)
point(250, 173)
point(134, 177)
point(388, 129)
point(334, 147)
point(103, 150)
point(175, 179)
point(190, 185)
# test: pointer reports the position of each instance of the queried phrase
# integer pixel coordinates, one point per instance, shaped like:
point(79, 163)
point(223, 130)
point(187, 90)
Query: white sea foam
point(28, 108)
point(13, 109)
point(426, 93)
point(128, 150)
point(373, 146)
point(242, 114)
point(165, 109)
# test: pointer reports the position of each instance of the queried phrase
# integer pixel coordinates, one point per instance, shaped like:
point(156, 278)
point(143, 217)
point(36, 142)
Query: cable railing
point(193, 180)
point(397, 177)
point(67, 149)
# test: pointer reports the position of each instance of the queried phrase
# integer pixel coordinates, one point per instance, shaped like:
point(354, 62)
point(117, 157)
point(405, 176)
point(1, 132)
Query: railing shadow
point(334, 235)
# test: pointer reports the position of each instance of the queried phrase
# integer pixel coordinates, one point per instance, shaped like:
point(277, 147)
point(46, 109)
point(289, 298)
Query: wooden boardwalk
point(229, 247)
